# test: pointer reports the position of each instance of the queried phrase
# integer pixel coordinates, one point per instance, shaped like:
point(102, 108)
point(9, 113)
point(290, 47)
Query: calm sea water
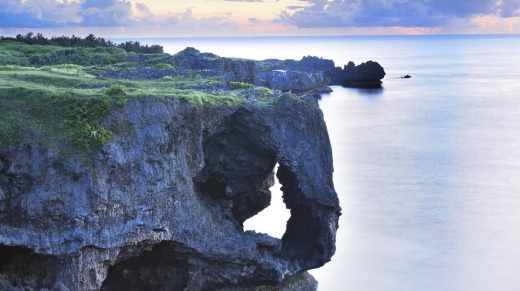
point(427, 169)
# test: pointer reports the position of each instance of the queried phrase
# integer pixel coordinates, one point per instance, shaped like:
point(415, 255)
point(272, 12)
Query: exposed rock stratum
point(161, 205)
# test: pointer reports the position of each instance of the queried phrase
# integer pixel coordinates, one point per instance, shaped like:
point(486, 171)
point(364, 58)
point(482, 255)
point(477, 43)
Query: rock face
point(286, 75)
point(161, 206)
point(307, 74)
point(291, 80)
point(367, 74)
point(188, 61)
point(312, 73)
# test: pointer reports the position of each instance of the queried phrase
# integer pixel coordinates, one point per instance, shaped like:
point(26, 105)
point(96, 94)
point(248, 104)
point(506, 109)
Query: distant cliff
point(313, 72)
point(286, 75)
point(160, 206)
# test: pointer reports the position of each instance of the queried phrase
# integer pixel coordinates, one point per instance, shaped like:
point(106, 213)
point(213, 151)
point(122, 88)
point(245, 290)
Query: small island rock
point(367, 75)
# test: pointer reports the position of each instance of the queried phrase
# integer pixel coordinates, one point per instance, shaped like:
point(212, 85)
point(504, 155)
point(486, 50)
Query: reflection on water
point(369, 92)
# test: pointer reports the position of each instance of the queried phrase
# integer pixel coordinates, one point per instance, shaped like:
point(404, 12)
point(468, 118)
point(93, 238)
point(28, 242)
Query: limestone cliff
point(313, 72)
point(161, 205)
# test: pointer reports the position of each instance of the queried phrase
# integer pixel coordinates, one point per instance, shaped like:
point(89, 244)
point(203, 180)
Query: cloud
point(99, 4)
point(110, 17)
point(339, 16)
point(51, 13)
point(109, 13)
point(388, 13)
point(256, 1)
point(37, 13)
point(25, 20)
point(509, 8)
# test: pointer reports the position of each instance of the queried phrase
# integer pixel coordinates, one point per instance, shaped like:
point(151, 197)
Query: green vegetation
point(21, 54)
point(240, 86)
point(163, 66)
point(89, 41)
point(198, 97)
point(59, 96)
point(46, 105)
point(264, 90)
point(63, 105)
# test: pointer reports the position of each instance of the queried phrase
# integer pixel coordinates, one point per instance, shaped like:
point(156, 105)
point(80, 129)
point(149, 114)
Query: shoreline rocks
point(312, 73)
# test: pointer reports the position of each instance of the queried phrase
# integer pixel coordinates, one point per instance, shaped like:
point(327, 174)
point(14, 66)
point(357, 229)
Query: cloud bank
point(124, 17)
point(403, 13)
point(51, 13)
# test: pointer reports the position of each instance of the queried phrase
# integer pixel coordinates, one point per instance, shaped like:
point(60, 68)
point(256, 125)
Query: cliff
point(286, 75)
point(160, 205)
point(312, 72)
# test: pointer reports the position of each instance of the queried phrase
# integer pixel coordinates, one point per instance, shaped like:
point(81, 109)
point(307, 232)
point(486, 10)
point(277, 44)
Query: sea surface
point(427, 169)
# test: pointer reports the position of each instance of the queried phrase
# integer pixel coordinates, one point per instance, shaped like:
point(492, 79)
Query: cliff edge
point(160, 206)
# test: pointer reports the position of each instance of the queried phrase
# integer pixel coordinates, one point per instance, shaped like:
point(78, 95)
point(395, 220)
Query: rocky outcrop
point(161, 206)
point(312, 73)
point(367, 75)
point(291, 80)
point(238, 70)
point(189, 61)
point(307, 74)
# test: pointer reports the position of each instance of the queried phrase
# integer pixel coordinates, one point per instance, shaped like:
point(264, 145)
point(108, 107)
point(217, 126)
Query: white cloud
point(387, 13)
point(125, 17)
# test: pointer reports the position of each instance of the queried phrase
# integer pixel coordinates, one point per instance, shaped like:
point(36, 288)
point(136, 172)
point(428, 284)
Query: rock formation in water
point(161, 205)
point(367, 75)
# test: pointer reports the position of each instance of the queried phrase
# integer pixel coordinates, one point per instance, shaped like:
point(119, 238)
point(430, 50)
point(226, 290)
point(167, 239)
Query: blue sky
point(159, 18)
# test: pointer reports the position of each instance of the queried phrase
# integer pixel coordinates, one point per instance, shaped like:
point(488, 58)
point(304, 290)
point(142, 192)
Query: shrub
point(85, 116)
point(117, 90)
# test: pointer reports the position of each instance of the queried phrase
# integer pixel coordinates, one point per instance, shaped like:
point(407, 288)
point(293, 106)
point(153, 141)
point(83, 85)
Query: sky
point(176, 18)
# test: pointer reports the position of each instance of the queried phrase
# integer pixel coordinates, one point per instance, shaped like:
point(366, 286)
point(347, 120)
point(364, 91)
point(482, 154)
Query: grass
point(50, 95)
point(21, 54)
point(240, 86)
point(63, 106)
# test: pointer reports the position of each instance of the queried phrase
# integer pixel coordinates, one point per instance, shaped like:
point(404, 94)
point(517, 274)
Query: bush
point(117, 90)
point(17, 53)
point(85, 116)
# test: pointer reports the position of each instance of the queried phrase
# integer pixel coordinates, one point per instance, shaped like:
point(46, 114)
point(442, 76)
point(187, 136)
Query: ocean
point(427, 169)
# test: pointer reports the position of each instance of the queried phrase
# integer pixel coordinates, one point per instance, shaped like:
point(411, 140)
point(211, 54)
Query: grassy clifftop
point(59, 96)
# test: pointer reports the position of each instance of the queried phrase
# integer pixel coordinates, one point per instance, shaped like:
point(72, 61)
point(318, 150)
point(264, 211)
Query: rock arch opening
point(273, 219)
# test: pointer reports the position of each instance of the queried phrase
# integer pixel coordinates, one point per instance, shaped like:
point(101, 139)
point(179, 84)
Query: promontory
point(122, 170)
